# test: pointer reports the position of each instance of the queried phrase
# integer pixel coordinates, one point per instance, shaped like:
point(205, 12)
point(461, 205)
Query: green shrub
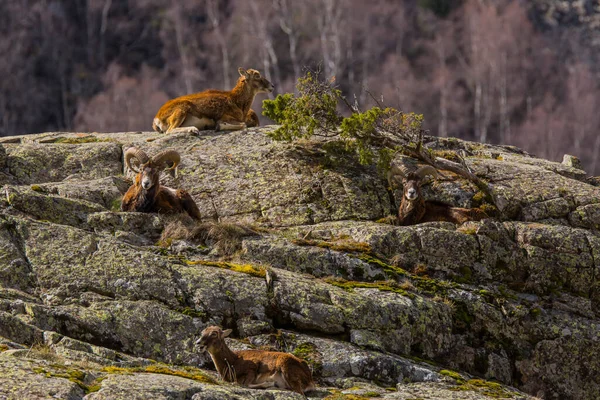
point(374, 135)
point(314, 111)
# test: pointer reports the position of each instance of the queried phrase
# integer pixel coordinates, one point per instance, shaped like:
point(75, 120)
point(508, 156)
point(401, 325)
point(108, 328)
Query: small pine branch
point(376, 136)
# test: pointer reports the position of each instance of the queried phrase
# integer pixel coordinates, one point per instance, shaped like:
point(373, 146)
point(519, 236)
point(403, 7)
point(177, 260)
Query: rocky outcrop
point(99, 304)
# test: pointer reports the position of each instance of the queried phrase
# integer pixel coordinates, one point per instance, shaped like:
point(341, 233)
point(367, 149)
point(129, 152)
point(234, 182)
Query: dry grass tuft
point(407, 285)
point(225, 237)
point(44, 352)
point(444, 300)
point(420, 270)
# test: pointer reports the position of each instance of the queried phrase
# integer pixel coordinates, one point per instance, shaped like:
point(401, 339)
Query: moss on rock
point(188, 373)
point(81, 139)
point(259, 272)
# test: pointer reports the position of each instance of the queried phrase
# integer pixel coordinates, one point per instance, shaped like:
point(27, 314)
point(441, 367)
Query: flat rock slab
point(445, 391)
point(145, 386)
point(513, 299)
point(41, 163)
point(19, 380)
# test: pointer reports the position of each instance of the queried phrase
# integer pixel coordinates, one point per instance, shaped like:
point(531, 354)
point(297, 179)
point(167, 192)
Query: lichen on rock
point(93, 303)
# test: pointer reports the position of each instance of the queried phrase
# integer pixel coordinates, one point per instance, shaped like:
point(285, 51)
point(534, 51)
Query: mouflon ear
point(226, 333)
point(242, 72)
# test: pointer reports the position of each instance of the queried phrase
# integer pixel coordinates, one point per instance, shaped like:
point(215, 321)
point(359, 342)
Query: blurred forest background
point(521, 72)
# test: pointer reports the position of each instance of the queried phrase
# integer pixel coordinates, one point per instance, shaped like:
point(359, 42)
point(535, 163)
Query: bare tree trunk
point(443, 123)
point(269, 56)
point(335, 11)
point(3, 117)
point(504, 115)
point(248, 40)
point(595, 155)
point(364, 68)
point(55, 49)
point(488, 107)
point(477, 110)
point(273, 60)
point(350, 56)
point(90, 33)
point(66, 112)
point(579, 139)
point(330, 35)
point(103, 27)
point(322, 23)
point(178, 25)
point(286, 22)
point(212, 9)
point(478, 71)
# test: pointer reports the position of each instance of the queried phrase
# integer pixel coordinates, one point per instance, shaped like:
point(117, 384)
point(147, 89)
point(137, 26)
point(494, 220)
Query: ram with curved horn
point(146, 194)
point(413, 207)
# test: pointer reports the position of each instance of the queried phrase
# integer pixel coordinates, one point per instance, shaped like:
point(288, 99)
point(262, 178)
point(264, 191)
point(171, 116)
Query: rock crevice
point(88, 289)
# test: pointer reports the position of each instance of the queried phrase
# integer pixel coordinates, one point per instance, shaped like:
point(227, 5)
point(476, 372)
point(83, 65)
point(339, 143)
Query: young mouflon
point(214, 109)
point(415, 209)
point(255, 369)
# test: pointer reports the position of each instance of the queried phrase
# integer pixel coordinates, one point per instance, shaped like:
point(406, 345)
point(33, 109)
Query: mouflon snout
point(201, 344)
point(212, 337)
point(411, 194)
point(258, 82)
point(264, 85)
point(146, 183)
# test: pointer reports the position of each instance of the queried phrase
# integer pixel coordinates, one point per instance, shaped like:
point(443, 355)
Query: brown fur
point(157, 199)
point(251, 122)
point(252, 119)
point(435, 211)
point(222, 109)
point(415, 211)
point(256, 368)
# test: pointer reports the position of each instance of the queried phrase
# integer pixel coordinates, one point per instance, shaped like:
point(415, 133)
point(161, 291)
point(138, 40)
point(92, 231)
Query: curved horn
point(140, 155)
point(394, 171)
point(168, 155)
point(427, 170)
